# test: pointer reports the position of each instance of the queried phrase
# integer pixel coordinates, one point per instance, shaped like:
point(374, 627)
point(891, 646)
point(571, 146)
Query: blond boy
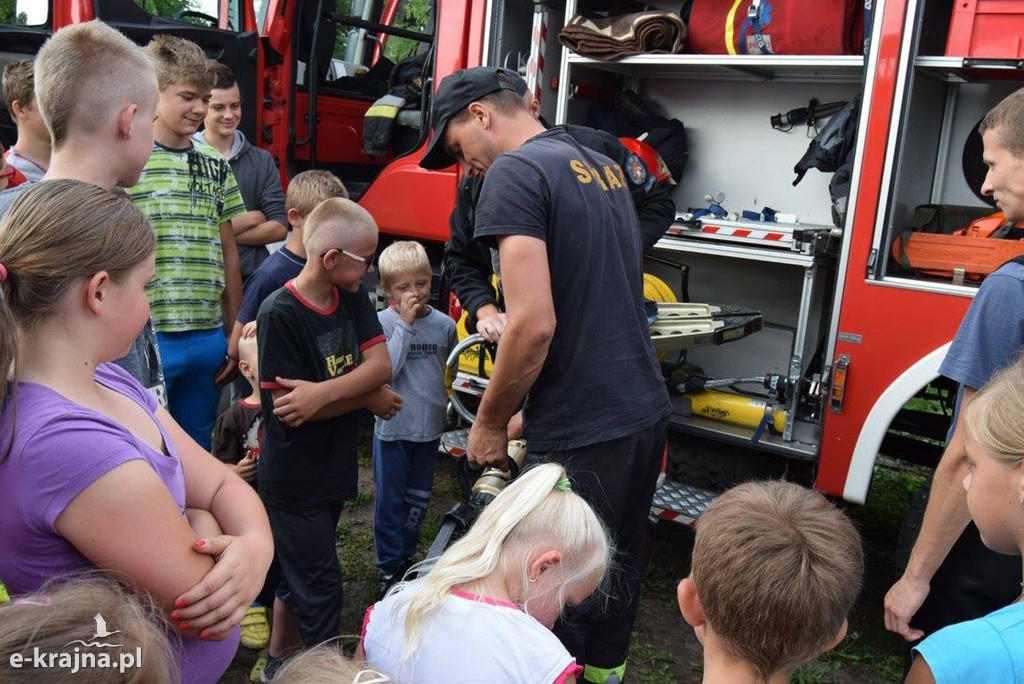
point(31, 153)
point(190, 196)
point(405, 448)
point(96, 92)
point(321, 357)
point(776, 569)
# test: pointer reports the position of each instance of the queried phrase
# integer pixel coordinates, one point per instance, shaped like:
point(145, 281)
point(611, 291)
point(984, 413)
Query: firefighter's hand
point(902, 603)
point(300, 404)
point(384, 402)
point(409, 307)
point(488, 446)
point(492, 327)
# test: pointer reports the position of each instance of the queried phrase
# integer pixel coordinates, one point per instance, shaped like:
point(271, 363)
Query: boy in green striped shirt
point(189, 195)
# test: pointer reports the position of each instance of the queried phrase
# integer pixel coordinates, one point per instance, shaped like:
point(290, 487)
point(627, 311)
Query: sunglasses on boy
point(367, 261)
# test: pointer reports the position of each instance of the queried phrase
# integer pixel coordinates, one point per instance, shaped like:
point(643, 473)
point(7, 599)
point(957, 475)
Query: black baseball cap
point(456, 92)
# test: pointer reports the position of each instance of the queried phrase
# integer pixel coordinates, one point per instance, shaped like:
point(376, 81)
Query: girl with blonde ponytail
point(485, 610)
point(987, 649)
point(93, 473)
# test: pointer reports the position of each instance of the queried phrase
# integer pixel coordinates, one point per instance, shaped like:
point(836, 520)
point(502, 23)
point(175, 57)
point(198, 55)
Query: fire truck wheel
point(717, 466)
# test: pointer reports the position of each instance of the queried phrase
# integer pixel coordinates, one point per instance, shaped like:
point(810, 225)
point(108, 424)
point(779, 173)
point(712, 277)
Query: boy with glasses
point(321, 357)
point(305, 192)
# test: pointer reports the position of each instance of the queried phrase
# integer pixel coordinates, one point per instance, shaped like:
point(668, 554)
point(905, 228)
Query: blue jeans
point(404, 474)
point(191, 361)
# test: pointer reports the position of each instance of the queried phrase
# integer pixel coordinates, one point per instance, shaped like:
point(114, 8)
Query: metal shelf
point(793, 68)
point(734, 251)
point(970, 69)
point(804, 445)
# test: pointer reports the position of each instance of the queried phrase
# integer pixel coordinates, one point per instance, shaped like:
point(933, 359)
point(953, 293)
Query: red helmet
point(650, 157)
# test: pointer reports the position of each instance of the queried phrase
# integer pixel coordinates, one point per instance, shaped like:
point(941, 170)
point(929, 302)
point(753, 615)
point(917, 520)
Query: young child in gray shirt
point(405, 447)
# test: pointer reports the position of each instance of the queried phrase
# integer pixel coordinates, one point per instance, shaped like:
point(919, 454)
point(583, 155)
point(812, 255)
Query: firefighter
point(576, 345)
point(951, 576)
point(468, 265)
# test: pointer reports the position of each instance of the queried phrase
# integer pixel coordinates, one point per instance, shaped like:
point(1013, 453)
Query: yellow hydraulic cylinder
point(735, 409)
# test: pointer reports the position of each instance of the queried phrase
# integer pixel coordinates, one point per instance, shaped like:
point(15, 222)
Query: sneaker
point(255, 628)
point(259, 666)
point(386, 580)
point(270, 669)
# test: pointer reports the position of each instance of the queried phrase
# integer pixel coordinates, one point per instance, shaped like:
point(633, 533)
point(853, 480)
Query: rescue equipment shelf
point(782, 68)
point(970, 69)
point(735, 251)
point(803, 446)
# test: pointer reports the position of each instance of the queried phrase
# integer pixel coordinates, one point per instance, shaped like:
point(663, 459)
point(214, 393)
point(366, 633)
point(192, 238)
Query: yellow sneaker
point(257, 667)
point(255, 628)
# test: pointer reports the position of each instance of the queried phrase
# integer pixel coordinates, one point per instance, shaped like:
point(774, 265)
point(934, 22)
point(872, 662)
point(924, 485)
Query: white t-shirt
point(469, 639)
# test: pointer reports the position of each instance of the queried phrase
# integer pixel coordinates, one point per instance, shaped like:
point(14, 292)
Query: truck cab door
point(337, 59)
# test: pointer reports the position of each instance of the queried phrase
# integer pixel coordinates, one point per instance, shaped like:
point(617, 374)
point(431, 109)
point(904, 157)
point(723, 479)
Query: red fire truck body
point(856, 336)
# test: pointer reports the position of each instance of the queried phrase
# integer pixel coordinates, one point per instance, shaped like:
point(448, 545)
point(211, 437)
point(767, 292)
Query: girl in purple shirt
point(94, 473)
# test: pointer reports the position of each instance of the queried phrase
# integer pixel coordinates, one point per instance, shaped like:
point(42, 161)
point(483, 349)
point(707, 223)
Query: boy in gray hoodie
point(258, 178)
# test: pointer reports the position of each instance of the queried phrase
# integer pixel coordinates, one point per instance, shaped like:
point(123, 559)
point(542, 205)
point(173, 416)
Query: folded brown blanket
point(625, 34)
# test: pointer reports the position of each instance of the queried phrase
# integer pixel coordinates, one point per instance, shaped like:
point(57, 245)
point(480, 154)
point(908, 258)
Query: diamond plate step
point(680, 503)
point(454, 442)
point(673, 501)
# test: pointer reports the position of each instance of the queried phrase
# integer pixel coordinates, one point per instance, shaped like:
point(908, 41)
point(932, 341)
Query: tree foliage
point(168, 9)
point(9, 13)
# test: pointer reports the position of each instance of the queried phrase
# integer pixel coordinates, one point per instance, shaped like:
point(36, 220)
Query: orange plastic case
point(986, 28)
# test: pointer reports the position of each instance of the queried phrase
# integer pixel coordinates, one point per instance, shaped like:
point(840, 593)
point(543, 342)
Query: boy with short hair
point(239, 429)
point(257, 175)
point(321, 357)
point(305, 192)
point(405, 448)
point(776, 569)
point(96, 92)
point(189, 195)
point(236, 441)
point(30, 154)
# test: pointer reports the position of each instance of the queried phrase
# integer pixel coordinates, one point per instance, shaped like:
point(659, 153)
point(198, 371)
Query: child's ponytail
point(538, 508)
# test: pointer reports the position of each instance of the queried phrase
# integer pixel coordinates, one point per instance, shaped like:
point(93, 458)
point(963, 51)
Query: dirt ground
point(664, 648)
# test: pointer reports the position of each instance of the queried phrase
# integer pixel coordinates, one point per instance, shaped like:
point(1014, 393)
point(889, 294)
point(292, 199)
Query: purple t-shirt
point(59, 449)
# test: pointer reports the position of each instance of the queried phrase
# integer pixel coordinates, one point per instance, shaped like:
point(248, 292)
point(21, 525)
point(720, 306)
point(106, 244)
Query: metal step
point(680, 503)
point(454, 442)
point(673, 501)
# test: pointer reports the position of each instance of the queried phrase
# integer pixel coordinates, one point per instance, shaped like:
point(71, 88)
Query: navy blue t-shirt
point(600, 380)
point(272, 274)
point(992, 332)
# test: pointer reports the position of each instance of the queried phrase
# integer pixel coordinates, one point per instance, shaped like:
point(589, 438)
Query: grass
point(647, 663)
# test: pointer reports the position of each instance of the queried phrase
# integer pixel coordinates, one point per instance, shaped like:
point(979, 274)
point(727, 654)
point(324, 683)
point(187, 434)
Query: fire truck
point(848, 335)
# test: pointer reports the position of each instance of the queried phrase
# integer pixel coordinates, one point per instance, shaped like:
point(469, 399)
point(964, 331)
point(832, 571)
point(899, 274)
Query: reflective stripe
point(383, 111)
point(601, 675)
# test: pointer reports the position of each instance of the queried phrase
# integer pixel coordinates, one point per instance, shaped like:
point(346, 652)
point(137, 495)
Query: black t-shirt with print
point(600, 380)
point(313, 465)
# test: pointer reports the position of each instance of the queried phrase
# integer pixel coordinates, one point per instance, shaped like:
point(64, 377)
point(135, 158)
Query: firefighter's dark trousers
point(617, 478)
